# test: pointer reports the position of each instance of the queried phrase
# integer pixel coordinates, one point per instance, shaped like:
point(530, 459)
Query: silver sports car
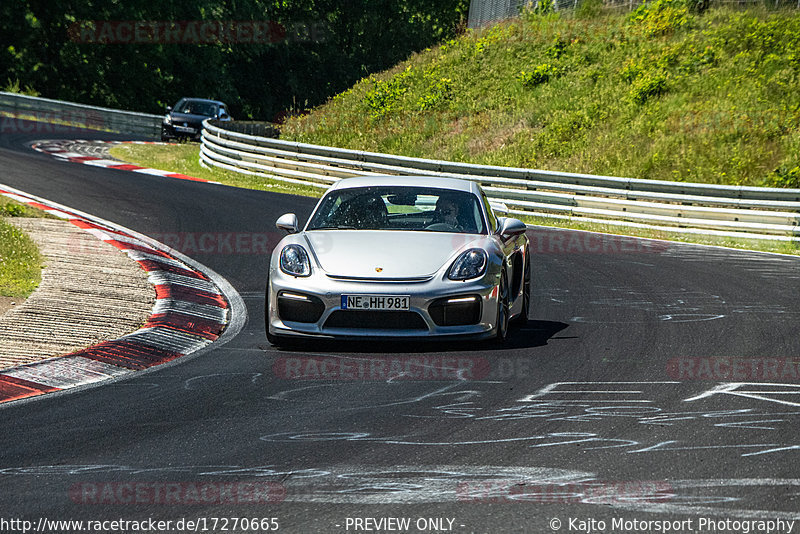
point(395, 256)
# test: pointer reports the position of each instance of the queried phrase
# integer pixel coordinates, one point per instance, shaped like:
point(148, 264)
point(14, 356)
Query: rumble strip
point(192, 310)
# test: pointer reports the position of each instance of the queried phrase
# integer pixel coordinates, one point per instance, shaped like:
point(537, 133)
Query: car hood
point(385, 254)
point(185, 117)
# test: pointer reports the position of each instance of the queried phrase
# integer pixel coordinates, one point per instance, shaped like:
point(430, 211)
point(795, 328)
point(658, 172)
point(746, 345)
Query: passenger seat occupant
point(375, 213)
point(364, 212)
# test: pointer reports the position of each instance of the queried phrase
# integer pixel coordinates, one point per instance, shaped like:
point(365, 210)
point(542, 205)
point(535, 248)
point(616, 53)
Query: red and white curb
point(194, 306)
point(65, 150)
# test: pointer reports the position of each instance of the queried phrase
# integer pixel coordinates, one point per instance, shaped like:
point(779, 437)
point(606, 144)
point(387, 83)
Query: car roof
point(454, 184)
point(191, 99)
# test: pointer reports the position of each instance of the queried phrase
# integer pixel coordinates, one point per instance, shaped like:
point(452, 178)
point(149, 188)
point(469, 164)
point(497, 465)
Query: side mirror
point(511, 227)
point(288, 222)
point(169, 109)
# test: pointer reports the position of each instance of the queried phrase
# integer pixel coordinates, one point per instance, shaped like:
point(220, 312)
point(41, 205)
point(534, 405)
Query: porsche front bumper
point(312, 306)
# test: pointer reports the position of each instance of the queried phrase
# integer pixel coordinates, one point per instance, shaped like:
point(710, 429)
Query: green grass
point(184, 158)
point(20, 260)
point(659, 93)
point(12, 208)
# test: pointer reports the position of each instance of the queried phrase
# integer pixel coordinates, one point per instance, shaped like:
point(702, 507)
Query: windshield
point(196, 107)
point(399, 208)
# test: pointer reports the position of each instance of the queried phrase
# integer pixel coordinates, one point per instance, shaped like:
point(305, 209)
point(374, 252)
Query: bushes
point(437, 94)
point(386, 95)
point(539, 74)
point(785, 177)
point(647, 86)
point(408, 91)
point(12, 210)
point(661, 17)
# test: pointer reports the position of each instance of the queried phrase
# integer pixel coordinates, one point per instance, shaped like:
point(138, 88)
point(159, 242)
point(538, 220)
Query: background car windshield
point(399, 208)
point(194, 107)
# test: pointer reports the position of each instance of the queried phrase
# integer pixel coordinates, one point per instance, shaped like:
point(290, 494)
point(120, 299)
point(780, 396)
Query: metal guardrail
point(257, 128)
point(71, 114)
point(756, 212)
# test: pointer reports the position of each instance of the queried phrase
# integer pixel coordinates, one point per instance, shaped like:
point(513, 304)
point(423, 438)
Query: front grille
point(456, 311)
point(376, 320)
point(299, 308)
point(381, 280)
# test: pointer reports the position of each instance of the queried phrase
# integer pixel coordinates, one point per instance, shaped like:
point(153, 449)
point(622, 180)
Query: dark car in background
point(185, 119)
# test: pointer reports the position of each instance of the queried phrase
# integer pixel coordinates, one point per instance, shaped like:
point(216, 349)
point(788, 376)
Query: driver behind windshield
point(446, 212)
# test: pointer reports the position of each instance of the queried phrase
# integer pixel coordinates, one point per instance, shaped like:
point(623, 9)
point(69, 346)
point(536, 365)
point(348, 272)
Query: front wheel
point(522, 318)
point(501, 334)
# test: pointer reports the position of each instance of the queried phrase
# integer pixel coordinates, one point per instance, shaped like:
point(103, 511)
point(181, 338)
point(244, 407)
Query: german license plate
point(375, 302)
point(185, 129)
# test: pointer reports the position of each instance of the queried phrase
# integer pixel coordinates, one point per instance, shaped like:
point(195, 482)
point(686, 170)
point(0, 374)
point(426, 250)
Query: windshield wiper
point(333, 228)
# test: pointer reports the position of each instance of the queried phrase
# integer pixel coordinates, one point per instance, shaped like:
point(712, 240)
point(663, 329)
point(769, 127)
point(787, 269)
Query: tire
point(501, 335)
point(522, 318)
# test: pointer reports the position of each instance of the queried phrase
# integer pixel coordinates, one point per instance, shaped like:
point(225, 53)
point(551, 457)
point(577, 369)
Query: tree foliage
point(330, 44)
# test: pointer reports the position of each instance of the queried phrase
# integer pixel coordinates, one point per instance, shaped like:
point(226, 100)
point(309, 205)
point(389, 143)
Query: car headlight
point(167, 119)
point(294, 261)
point(470, 264)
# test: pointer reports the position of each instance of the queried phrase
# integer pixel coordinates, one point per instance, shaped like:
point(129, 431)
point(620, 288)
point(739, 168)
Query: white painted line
point(18, 198)
point(109, 236)
point(137, 255)
point(99, 234)
point(154, 172)
point(163, 278)
point(68, 155)
point(60, 214)
point(202, 311)
point(167, 339)
point(104, 162)
point(67, 372)
point(24, 200)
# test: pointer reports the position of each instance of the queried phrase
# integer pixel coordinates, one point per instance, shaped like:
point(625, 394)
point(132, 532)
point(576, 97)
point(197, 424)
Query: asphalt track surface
point(615, 402)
